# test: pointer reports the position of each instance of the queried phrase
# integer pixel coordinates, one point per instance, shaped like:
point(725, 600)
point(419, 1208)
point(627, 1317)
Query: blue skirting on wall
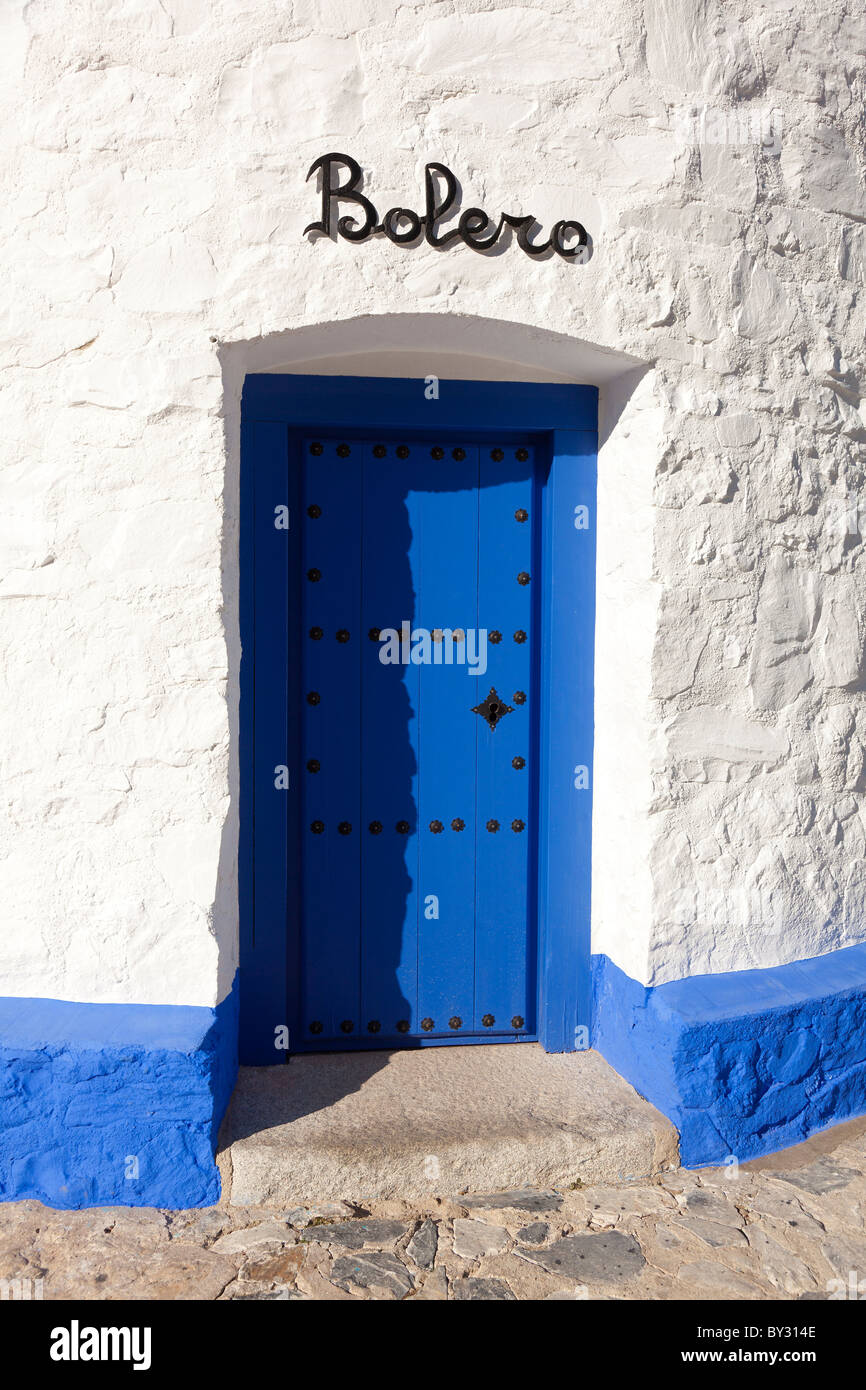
point(742, 1063)
point(119, 1104)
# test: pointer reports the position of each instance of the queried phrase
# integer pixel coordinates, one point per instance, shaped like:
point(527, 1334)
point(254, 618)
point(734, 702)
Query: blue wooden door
point(417, 821)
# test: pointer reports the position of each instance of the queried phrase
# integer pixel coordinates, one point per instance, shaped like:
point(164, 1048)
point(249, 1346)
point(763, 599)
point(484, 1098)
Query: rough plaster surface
point(154, 156)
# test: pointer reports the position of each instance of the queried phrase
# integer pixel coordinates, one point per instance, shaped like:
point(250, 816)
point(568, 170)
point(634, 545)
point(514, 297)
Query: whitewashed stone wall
point(154, 155)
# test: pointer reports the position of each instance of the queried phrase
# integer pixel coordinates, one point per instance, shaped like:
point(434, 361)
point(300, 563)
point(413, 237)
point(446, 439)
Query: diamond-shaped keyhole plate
point(493, 708)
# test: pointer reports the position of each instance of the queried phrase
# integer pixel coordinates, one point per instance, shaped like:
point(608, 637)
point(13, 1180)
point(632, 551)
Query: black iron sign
point(405, 227)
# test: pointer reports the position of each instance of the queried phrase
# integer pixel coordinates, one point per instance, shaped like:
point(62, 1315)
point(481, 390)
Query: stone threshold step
point(383, 1125)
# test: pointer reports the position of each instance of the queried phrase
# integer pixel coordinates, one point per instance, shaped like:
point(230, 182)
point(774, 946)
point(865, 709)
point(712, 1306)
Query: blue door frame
point(560, 422)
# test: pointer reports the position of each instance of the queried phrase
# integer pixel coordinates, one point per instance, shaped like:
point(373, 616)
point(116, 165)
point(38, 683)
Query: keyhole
point(494, 708)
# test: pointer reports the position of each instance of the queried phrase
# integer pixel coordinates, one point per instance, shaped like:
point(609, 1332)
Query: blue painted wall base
point(743, 1063)
point(113, 1104)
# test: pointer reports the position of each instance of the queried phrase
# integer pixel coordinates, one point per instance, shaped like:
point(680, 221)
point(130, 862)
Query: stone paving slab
point(790, 1227)
point(384, 1125)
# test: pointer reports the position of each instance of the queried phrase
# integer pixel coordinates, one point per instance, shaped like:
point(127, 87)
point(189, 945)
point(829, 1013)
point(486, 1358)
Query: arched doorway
point(421, 883)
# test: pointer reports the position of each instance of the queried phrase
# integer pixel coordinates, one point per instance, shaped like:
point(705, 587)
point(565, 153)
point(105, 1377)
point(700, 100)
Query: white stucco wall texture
point(154, 158)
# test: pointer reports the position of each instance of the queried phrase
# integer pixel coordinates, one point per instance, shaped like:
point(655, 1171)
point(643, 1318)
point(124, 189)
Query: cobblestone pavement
point(787, 1227)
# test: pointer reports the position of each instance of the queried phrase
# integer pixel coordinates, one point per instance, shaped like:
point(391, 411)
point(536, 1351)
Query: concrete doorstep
point(403, 1125)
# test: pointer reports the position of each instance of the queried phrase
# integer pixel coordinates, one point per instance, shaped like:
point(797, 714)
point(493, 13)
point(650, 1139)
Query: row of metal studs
point(374, 1026)
point(402, 451)
point(402, 827)
point(343, 635)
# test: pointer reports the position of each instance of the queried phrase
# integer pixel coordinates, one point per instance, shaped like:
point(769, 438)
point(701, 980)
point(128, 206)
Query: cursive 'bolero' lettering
point(402, 226)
